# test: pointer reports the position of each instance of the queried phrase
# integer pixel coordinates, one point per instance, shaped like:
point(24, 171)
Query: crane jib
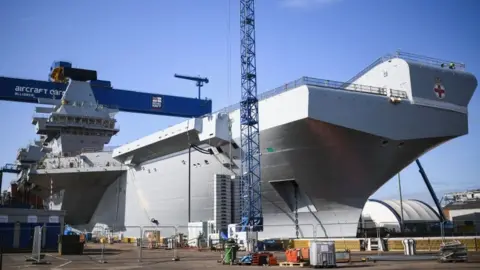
point(31, 91)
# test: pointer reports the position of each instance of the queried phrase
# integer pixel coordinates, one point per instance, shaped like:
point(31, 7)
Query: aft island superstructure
point(327, 146)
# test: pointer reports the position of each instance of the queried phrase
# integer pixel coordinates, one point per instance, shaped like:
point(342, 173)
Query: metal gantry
point(252, 218)
point(43, 92)
point(9, 168)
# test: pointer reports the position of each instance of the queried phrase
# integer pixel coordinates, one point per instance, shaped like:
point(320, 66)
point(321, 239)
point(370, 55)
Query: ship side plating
point(327, 147)
point(333, 135)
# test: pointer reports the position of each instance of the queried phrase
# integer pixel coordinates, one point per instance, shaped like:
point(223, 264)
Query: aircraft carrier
point(327, 146)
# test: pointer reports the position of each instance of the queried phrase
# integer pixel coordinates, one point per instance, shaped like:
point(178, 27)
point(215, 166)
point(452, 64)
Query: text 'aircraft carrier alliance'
point(327, 146)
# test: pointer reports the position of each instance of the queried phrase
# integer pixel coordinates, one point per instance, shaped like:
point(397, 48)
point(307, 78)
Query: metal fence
point(424, 60)
point(167, 243)
point(329, 84)
point(349, 86)
point(65, 161)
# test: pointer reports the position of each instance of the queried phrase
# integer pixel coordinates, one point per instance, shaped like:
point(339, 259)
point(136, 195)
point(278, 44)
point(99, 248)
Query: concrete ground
point(124, 256)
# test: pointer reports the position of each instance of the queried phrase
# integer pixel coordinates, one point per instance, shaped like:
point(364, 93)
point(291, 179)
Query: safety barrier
point(340, 244)
point(336, 85)
point(133, 244)
point(160, 243)
point(398, 94)
point(108, 125)
point(167, 243)
point(109, 246)
point(425, 60)
point(422, 244)
point(433, 244)
point(57, 162)
point(108, 149)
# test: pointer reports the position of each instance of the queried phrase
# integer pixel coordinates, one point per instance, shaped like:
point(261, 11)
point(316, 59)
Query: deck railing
point(425, 60)
point(106, 149)
point(325, 84)
point(75, 163)
point(367, 69)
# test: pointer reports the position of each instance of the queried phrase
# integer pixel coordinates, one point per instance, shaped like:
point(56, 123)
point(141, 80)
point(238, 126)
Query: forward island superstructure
point(72, 169)
point(327, 146)
point(69, 168)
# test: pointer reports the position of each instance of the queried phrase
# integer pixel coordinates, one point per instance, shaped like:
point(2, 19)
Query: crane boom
point(251, 208)
point(200, 81)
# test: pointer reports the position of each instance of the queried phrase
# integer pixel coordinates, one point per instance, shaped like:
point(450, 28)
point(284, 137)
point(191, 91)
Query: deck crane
point(251, 208)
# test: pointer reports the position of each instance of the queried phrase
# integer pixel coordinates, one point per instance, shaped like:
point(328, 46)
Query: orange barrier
point(296, 255)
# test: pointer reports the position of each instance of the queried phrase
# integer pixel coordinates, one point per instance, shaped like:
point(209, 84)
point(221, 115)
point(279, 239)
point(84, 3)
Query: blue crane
point(35, 91)
point(200, 81)
point(251, 208)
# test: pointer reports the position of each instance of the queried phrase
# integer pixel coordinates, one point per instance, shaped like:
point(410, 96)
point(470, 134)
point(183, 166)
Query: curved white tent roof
point(386, 213)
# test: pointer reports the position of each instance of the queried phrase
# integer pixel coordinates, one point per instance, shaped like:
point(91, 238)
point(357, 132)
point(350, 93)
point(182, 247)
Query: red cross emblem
point(439, 91)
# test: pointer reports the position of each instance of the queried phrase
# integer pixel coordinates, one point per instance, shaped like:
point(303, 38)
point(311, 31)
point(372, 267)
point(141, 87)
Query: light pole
point(402, 227)
point(203, 151)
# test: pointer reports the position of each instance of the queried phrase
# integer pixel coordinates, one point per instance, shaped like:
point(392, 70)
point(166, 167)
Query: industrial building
point(465, 216)
point(418, 218)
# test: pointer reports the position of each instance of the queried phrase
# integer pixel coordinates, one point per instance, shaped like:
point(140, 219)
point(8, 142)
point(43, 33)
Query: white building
point(417, 216)
point(464, 215)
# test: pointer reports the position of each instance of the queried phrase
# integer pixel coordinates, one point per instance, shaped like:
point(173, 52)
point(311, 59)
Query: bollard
point(379, 253)
point(175, 255)
point(140, 252)
point(102, 258)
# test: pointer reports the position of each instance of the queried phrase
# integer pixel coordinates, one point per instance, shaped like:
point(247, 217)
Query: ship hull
point(75, 184)
point(335, 177)
point(324, 150)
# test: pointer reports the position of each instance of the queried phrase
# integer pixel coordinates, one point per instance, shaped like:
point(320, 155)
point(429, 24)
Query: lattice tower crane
point(251, 208)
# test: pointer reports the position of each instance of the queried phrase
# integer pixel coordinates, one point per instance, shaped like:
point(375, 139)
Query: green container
point(230, 253)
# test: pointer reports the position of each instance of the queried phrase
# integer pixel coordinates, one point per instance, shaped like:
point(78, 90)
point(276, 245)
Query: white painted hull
point(338, 146)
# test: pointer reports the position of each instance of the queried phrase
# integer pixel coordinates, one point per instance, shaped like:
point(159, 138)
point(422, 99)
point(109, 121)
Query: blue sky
point(140, 47)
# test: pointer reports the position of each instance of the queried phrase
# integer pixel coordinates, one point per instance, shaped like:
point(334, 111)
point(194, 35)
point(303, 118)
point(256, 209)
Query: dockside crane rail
point(251, 207)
